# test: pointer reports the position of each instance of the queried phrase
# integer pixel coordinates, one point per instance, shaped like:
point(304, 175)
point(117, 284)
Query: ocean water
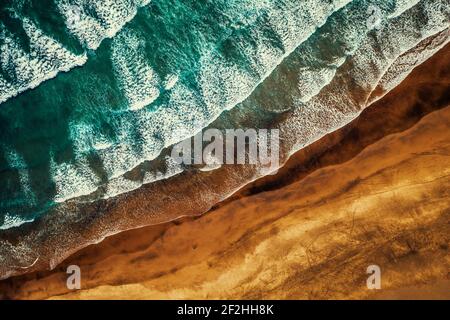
point(90, 90)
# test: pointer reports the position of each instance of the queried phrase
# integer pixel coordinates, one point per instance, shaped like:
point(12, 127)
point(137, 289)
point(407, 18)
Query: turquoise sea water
point(90, 89)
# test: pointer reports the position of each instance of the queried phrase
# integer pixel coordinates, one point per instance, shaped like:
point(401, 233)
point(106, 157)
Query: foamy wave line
point(110, 17)
point(116, 165)
point(395, 23)
point(138, 80)
point(120, 159)
point(313, 79)
point(13, 222)
point(369, 65)
point(46, 59)
point(406, 63)
point(437, 16)
point(223, 85)
point(396, 49)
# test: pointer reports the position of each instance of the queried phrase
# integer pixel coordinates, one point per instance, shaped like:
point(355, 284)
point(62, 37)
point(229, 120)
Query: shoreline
point(44, 243)
point(135, 248)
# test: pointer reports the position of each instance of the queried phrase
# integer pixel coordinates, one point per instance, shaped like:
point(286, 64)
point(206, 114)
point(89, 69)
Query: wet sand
point(373, 192)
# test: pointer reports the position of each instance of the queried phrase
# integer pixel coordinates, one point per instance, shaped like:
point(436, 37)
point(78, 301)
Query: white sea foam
point(117, 159)
point(386, 46)
point(44, 61)
point(402, 67)
point(378, 51)
point(312, 79)
point(121, 184)
point(11, 221)
point(47, 57)
point(136, 77)
point(97, 20)
point(73, 180)
point(102, 144)
point(403, 5)
point(182, 115)
point(170, 81)
point(226, 84)
point(86, 137)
